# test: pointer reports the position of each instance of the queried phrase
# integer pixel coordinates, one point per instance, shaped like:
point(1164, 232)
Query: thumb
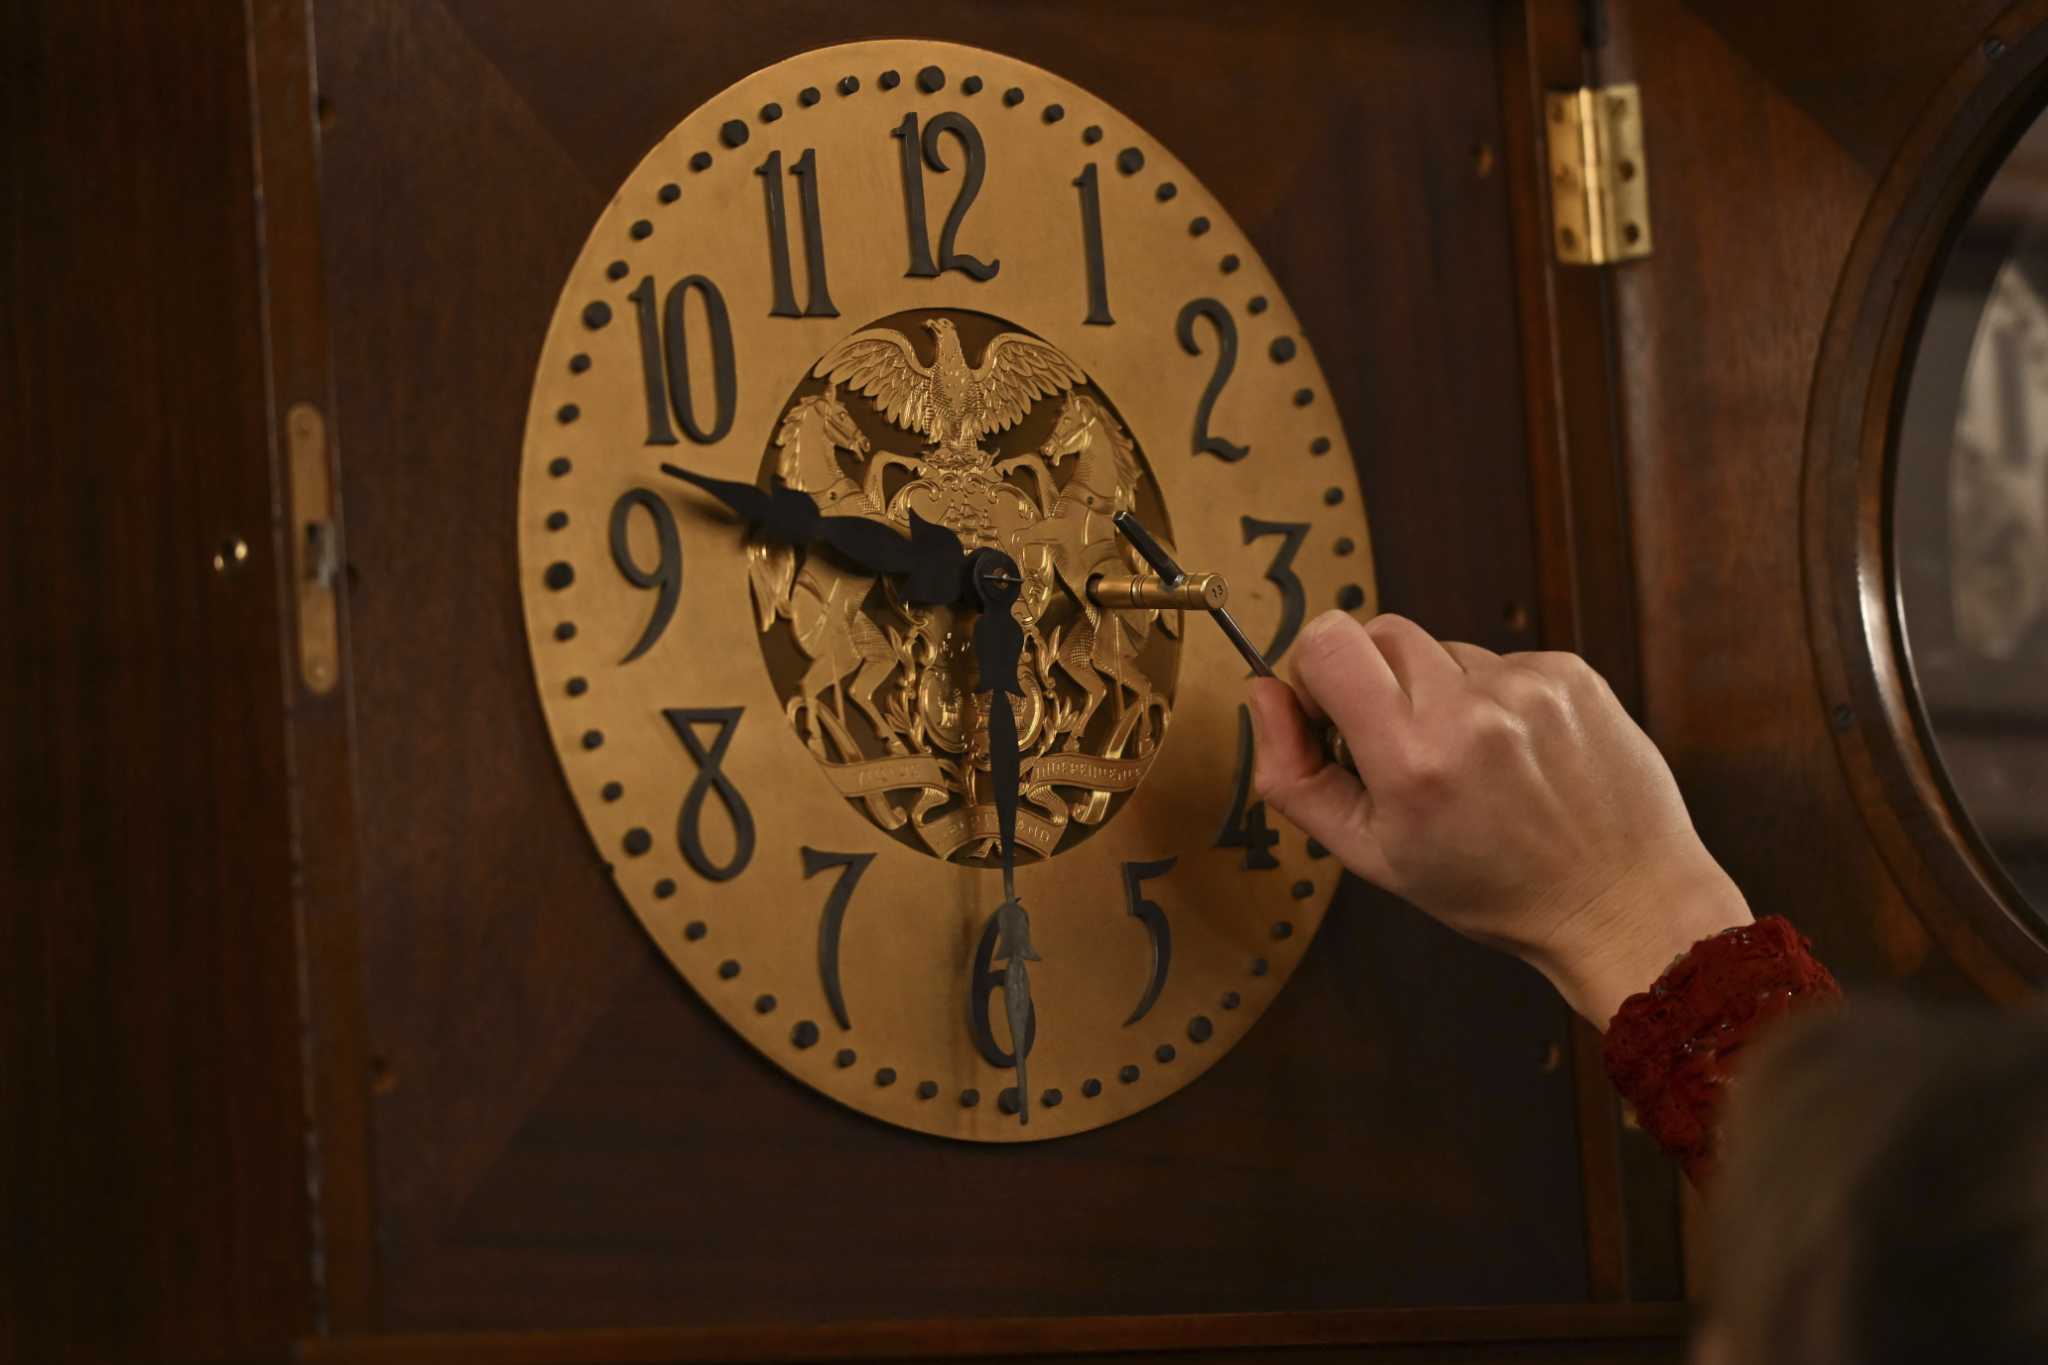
point(1321, 798)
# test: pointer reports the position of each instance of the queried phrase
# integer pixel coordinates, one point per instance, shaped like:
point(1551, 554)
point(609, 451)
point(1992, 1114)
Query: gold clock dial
point(922, 283)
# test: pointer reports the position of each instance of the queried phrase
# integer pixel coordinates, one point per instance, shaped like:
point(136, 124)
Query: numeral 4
point(1245, 827)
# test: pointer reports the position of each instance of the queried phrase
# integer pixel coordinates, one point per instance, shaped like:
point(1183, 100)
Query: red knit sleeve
point(1672, 1049)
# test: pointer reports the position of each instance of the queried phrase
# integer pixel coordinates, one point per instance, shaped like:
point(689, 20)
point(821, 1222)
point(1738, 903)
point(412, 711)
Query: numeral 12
point(918, 152)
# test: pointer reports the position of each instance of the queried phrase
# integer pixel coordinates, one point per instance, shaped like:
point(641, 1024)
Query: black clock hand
point(930, 562)
point(1013, 936)
point(998, 650)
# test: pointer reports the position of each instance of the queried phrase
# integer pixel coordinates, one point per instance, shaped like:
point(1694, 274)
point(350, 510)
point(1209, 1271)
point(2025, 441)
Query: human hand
point(1510, 797)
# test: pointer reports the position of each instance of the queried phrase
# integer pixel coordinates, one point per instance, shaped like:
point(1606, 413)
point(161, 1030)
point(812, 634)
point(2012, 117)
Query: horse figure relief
point(885, 699)
point(1075, 542)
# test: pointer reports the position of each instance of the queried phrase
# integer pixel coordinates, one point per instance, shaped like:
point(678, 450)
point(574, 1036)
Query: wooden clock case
point(324, 1035)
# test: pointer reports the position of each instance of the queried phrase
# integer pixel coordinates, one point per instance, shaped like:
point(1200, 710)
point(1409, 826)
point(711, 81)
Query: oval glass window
point(1969, 521)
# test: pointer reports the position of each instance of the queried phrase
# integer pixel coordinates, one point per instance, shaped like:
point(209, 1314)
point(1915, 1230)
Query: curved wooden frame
point(1954, 886)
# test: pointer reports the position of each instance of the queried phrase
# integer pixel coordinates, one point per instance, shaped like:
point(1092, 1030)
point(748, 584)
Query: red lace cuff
point(1672, 1049)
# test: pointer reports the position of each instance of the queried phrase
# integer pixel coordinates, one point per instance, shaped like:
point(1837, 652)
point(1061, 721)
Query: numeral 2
point(1153, 918)
point(806, 172)
point(665, 362)
point(1242, 828)
point(852, 865)
point(921, 266)
point(1226, 361)
point(711, 777)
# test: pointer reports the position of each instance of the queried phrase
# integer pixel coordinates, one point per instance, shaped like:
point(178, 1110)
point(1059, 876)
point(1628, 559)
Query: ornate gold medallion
point(880, 690)
point(914, 293)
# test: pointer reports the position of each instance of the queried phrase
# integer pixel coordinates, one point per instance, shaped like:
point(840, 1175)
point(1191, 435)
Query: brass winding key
point(1204, 592)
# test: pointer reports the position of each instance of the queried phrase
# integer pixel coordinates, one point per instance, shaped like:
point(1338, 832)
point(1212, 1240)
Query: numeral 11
point(806, 172)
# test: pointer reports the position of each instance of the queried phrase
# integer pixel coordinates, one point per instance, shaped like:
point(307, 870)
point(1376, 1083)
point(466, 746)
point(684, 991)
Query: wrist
point(1628, 936)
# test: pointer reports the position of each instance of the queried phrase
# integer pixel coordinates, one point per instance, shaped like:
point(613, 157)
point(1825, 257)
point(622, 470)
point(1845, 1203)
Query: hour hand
point(782, 515)
point(930, 562)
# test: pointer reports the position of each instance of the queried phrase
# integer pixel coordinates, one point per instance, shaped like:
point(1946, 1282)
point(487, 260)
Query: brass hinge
point(1599, 184)
point(316, 551)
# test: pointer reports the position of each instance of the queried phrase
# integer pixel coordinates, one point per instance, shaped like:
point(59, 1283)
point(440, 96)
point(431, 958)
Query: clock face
point(923, 285)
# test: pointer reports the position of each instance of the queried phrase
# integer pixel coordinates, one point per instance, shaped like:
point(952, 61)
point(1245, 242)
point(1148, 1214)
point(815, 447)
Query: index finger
point(1341, 672)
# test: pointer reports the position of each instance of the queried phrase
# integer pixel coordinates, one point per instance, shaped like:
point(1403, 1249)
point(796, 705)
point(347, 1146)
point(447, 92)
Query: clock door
point(674, 978)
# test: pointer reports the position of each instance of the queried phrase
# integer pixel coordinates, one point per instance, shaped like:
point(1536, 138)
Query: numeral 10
point(665, 361)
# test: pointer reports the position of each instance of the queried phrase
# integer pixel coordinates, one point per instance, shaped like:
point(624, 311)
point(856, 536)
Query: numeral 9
point(667, 574)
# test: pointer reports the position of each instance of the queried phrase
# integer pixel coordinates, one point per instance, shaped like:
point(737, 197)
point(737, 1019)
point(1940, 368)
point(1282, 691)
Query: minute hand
point(998, 649)
point(930, 560)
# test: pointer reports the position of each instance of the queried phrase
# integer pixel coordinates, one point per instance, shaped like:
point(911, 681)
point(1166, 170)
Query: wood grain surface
point(564, 1135)
point(1718, 337)
point(154, 1201)
point(1589, 1334)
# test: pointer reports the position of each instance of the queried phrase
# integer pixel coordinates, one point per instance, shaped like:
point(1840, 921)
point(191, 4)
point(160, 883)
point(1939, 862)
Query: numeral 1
point(806, 172)
point(1246, 828)
point(1091, 239)
point(665, 362)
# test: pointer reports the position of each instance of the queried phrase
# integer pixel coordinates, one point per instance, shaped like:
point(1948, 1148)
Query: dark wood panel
point(1860, 72)
point(1586, 1335)
point(1579, 508)
point(153, 1192)
point(564, 1135)
point(1755, 202)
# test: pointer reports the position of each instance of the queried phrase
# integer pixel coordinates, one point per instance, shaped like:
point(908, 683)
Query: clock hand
point(1013, 936)
point(998, 649)
point(1155, 554)
point(930, 561)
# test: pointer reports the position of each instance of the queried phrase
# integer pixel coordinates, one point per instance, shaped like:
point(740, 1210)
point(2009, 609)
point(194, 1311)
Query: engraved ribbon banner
point(947, 833)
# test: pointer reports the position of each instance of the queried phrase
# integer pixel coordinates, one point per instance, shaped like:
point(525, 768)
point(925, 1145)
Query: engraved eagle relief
point(1017, 450)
